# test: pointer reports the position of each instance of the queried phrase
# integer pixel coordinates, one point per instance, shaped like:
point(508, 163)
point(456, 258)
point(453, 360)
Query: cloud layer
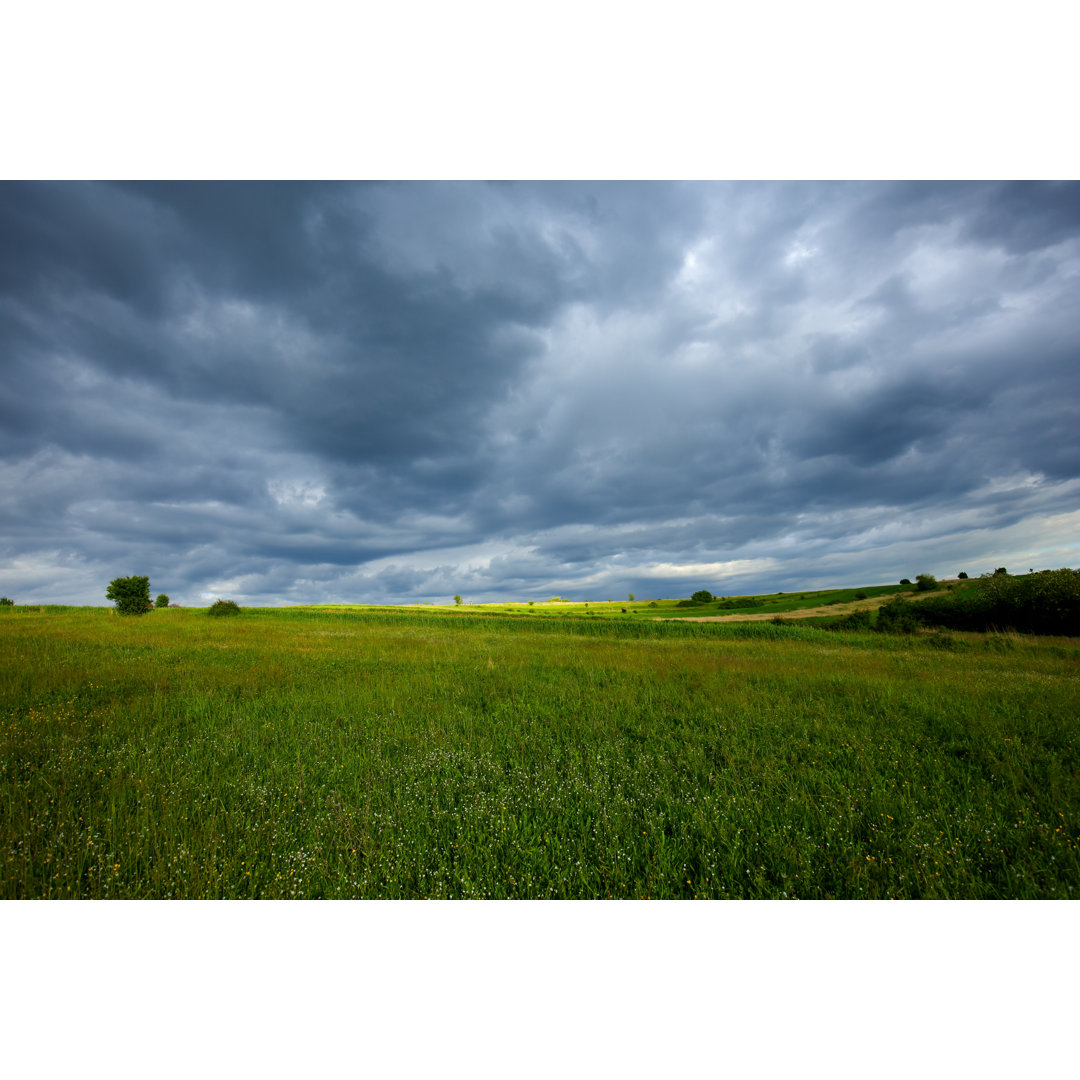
point(288, 393)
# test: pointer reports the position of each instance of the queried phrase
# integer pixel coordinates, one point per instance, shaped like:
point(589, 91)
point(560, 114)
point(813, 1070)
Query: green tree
point(631, 597)
point(223, 607)
point(130, 594)
point(702, 596)
point(962, 575)
point(925, 582)
point(161, 601)
point(5, 602)
point(457, 600)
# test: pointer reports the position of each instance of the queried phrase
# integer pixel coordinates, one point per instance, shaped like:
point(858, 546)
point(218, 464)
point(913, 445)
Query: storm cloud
point(288, 393)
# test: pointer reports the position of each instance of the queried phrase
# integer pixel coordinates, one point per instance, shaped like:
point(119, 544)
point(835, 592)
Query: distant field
point(756, 605)
point(545, 752)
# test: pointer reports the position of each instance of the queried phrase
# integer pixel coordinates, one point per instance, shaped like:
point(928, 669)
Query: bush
point(161, 601)
point(224, 607)
point(1000, 570)
point(905, 581)
point(857, 620)
point(702, 596)
point(897, 617)
point(925, 582)
point(130, 594)
point(1047, 602)
point(860, 595)
point(962, 575)
point(5, 602)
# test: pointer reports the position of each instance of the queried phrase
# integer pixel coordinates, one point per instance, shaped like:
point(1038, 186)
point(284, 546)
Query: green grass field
point(361, 752)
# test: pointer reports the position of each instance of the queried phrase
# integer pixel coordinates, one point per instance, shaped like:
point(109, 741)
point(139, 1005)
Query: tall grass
point(309, 754)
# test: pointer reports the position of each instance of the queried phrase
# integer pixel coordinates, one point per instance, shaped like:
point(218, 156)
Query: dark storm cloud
point(291, 392)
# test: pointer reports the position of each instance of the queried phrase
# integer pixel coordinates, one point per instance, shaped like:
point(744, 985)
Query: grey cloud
point(369, 391)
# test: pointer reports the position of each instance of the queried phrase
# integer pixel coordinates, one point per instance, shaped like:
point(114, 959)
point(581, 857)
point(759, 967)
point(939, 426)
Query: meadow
point(378, 753)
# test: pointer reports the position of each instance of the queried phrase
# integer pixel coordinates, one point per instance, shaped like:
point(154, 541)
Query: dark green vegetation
point(313, 753)
point(130, 594)
point(223, 607)
point(1044, 602)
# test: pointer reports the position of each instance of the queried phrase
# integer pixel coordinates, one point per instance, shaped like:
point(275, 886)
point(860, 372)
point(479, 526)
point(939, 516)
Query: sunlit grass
point(309, 753)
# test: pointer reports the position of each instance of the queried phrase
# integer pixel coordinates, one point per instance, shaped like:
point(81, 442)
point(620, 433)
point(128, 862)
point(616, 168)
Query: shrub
point(5, 602)
point(925, 582)
point(457, 600)
point(130, 594)
point(702, 596)
point(1047, 602)
point(1000, 570)
point(860, 595)
point(897, 617)
point(161, 601)
point(905, 581)
point(962, 575)
point(631, 595)
point(857, 620)
point(223, 607)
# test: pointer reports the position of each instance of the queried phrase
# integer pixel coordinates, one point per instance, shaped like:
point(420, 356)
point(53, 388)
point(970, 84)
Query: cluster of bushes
point(1046, 602)
point(895, 617)
point(132, 597)
point(924, 582)
point(703, 596)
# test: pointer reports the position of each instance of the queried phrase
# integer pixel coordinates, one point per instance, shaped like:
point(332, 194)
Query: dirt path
point(869, 604)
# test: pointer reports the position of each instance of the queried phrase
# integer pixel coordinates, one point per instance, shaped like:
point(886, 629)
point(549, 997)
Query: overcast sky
point(288, 393)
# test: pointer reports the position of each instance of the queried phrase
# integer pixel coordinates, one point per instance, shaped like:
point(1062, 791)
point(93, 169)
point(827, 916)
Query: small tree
point(130, 594)
point(702, 596)
point(161, 601)
point(5, 602)
point(962, 575)
point(223, 607)
point(925, 582)
point(905, 581)
point(1000, 570)
point(457, 600)
point(631, 597)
